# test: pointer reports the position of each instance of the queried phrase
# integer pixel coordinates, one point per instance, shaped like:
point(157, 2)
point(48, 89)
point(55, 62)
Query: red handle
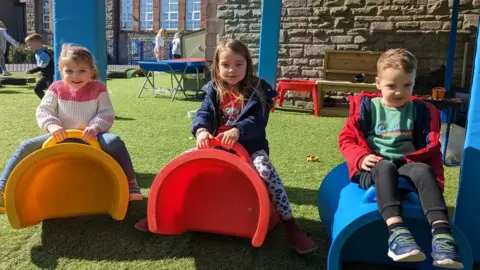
point(238, 148)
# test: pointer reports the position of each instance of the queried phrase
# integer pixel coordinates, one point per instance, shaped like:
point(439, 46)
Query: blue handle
point(411, 196)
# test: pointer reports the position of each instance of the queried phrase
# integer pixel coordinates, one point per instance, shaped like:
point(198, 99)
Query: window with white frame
point(126, 14)
point(169, 16)
point(46, 14)
point(146, 14)
point(193, 14)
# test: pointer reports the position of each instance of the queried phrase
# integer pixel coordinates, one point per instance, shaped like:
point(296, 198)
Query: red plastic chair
point(211, 190)
point(285, 85)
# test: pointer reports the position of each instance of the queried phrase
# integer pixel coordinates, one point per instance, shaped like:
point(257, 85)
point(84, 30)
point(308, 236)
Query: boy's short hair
point(33, 37)
point(400, 59)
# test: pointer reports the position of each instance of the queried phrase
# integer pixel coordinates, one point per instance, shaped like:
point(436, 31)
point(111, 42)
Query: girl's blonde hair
point(161, 32)
point(249, 83)
point(77, 54)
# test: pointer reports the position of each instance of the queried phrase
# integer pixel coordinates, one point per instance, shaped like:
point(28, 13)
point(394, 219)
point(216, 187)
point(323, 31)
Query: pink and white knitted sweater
point(70, 108)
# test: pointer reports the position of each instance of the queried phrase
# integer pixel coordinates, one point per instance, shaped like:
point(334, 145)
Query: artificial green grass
point(155, 131)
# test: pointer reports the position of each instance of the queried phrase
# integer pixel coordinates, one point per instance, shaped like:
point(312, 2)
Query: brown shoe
point(297, 238)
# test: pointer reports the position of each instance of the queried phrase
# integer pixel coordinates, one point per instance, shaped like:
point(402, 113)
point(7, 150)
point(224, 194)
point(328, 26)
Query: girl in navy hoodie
point(236, 109)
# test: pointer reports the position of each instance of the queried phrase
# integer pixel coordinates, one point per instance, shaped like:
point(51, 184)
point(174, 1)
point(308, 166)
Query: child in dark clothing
point(392, 135)
point(44, 64)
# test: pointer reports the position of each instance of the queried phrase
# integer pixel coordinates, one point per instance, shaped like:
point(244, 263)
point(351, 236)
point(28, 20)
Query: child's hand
point(58, 133)
point(203, 139)
point(370, 161)
point(229, 138)
point(90, 133)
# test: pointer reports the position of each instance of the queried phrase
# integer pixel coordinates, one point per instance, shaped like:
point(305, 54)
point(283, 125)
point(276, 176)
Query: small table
point(453, 105)
point(285, 85)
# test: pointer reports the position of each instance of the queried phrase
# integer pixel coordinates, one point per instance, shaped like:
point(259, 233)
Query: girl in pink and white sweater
point(78, 101)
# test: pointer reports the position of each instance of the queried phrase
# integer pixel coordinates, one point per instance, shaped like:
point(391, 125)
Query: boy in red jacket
point(392, 135)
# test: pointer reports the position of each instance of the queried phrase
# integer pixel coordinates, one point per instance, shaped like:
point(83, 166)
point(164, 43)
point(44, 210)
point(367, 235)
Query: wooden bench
point(340, 68)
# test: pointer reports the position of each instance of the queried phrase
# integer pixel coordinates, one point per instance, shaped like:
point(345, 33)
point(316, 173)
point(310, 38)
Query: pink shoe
point(298, 239)
point(142, 225)
point(134, 191)
point(135, 197)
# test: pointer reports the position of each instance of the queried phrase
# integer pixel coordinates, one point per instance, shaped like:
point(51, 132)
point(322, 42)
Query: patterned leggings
point(276, 190)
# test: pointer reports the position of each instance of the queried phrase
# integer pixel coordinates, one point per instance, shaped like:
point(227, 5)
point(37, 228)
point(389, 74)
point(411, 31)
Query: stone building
point(128, 20)
point(309, 27)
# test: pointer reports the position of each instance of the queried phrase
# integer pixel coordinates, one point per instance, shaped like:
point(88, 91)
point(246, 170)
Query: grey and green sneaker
point(403, 248)
point(444, 252)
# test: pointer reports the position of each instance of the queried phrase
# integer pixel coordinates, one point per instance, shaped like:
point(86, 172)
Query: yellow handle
point(72, 134)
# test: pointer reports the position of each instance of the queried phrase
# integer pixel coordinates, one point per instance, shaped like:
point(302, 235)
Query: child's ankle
point(395, 226)
point(441, 227)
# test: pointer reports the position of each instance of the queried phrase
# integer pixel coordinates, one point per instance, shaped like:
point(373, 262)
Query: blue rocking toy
point(357, 231)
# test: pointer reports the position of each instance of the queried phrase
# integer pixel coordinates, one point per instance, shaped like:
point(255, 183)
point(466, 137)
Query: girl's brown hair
point(249, 82)
point(77, 54)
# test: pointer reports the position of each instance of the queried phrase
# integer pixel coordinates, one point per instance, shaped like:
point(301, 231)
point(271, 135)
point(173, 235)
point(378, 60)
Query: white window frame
point(126, 15)
point(168, 11)
point(46, 14)
point(146, 14)
point(191, 12)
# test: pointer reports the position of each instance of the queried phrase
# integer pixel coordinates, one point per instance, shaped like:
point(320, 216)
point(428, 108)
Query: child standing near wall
point(4, 37)
point(176, 47)
point(159, 48)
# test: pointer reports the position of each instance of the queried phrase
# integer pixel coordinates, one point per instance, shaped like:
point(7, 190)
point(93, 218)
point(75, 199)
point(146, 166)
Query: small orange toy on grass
point(313, 158)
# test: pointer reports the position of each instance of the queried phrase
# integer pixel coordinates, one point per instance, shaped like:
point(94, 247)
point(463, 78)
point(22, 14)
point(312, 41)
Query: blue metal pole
point(452, 41)
point(451, 45)
point(269, 40)
point(467, 214)
point(81, 23)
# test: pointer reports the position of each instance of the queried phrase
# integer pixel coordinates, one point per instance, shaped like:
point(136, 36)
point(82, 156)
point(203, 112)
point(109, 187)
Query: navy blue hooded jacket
point(251, 122)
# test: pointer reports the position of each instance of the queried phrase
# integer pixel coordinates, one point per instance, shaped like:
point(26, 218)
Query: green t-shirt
point(391, 129)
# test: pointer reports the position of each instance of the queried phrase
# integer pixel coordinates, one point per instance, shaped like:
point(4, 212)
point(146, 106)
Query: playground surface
point(155, 131)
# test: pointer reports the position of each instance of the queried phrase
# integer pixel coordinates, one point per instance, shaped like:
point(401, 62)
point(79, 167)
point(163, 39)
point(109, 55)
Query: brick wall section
point(203, 14)
point(156, 15)
point(182, 9)
point(136, 15)
point(309, 27)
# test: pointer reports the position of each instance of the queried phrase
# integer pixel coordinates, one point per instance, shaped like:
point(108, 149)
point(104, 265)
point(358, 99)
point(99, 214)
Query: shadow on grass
point(101, 238)
point(8, 91)
point(119, 118)
point(302, 196)
point(98, 238)
point(145, 180)
point(298, 111)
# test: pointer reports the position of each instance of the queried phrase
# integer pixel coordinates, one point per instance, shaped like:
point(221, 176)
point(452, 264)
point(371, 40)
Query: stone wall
point(309, 27)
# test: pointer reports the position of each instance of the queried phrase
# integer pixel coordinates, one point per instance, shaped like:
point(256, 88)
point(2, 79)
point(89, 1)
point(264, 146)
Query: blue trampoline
point(176, 68)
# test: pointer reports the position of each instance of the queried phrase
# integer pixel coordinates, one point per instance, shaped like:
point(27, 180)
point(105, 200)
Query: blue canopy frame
point(90, 14)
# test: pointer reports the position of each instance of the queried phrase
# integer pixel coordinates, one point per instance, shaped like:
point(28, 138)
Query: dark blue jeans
point(111, 144)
